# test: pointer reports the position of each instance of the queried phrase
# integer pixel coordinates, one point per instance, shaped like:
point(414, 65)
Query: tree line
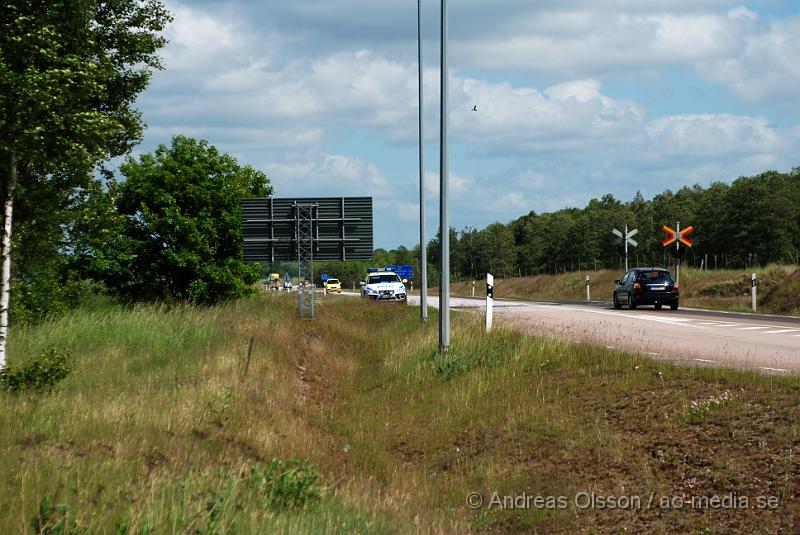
point(753, 221)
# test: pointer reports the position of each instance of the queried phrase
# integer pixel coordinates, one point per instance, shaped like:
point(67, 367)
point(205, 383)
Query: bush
point(450, 365)
point(40, 373)
point(286, 485)
point(54, 519)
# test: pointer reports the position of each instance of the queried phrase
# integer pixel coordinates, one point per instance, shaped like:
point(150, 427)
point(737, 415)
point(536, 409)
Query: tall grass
point(163, 426)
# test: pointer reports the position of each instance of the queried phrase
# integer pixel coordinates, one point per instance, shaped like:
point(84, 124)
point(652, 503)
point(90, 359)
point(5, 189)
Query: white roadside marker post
point(489, 300)
point(473, 288)
point(753, 290)
point(588, 290)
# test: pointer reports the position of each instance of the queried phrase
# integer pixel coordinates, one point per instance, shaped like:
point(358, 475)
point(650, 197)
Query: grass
point(158, 429)
point(779, 288)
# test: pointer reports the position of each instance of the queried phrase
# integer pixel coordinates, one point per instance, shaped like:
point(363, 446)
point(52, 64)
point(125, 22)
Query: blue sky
point(576, 98)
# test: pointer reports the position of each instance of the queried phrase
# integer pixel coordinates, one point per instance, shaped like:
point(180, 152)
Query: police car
point(384, 285)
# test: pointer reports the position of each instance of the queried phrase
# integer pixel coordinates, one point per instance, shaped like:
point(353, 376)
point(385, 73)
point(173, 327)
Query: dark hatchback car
point(647, 286)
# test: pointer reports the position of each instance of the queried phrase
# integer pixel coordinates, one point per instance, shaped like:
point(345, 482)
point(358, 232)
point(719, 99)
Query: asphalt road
point(770, 344)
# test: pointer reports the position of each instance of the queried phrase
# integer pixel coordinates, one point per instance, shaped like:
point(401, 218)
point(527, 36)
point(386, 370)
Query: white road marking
point(705, 360)
point(652, 353)
point(779, 331)
point(710, 323)
point(773, 369)
point(726, 325)
point(752, 328)
point(628, 315)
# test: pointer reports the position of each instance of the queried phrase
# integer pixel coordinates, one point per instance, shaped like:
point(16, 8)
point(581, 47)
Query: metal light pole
point(423, 289)
point(444, 229)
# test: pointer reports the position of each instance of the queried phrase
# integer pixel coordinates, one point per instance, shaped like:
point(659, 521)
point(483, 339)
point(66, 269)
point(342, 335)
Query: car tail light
point(637, 287)
point(677, 286)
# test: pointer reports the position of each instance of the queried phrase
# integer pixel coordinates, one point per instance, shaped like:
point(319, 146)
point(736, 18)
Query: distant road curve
point(770, 344)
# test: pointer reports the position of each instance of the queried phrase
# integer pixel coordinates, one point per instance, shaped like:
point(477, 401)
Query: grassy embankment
point(160, 429)
point(779, 288)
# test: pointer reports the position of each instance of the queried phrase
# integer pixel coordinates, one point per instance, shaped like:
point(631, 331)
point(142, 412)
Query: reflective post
point(489, 300)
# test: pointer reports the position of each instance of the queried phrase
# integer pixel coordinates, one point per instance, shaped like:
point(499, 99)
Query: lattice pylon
point(304, 225)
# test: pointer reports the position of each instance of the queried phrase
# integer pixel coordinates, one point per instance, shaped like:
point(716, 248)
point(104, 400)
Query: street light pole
point(444, 229)
point(423, 289)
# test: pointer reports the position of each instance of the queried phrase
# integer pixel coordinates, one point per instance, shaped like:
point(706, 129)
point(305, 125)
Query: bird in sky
point(475, 108)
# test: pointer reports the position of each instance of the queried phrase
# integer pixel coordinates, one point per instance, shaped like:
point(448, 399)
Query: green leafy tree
point(180, 236)
point(69, 74)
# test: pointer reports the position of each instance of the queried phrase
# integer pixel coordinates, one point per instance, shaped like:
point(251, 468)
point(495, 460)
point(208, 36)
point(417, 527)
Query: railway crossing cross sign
point(627, 239)
point(677, 237)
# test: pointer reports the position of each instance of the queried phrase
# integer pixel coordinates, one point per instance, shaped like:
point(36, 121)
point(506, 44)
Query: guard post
point(489, 300)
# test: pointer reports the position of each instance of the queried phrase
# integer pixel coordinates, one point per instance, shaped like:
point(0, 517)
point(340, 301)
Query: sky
point(575, 99)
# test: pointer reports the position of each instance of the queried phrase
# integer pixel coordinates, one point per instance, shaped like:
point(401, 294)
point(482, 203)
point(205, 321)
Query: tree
point(179, 219)
point(69, 73)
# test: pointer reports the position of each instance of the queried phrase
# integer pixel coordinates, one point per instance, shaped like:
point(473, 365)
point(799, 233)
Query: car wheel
point(631, 304)
point(617, 304)
point(658, 306)
point(673, 306)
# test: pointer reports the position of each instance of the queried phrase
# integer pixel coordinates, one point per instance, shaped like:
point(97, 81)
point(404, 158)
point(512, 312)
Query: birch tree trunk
point(5, 256)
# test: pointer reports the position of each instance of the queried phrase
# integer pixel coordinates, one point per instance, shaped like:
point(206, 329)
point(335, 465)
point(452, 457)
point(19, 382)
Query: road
point(768, 343)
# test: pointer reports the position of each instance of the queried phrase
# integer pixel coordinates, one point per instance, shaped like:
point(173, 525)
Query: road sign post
point(626, 239)
point(489, 300)
point(753, 290)
point(677, 237)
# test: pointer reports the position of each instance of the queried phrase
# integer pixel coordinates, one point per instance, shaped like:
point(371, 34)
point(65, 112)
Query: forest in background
point(753, 221)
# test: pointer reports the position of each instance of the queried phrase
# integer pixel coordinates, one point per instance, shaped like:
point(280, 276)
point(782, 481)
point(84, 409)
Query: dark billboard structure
point(334, 228)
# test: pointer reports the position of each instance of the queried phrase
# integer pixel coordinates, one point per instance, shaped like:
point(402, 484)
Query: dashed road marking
point(705, 360)
point(773, 369)
point(753, 328)
point(779, 331)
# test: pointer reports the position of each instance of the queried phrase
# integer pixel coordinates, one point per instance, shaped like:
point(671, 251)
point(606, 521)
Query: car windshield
point(333, 281)
point(389, 277)
point(655, 276)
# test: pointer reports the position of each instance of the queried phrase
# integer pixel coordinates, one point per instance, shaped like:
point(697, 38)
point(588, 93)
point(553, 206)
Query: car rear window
point(333, 281)
point(655, 276)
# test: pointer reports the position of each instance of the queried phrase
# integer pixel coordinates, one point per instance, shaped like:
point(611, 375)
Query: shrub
point(54, 519)
point(286, 485)
point(450, 365)
point(40, 373)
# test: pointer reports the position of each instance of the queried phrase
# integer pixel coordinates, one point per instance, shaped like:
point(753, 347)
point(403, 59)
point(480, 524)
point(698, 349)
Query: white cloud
point(599, 40)
point(459, 186)
point(199, 39)
point(313, 174)
point(712, 136)
point(766, 67)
